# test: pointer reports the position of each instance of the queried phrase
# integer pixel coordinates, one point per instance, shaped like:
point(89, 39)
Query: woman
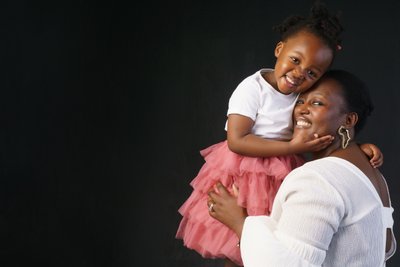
point(332, 211)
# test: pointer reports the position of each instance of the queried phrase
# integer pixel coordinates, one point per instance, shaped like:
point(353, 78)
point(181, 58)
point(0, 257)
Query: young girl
point(259, 151)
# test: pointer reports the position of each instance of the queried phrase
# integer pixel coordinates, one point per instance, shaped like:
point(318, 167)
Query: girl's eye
point(312, 74)
point(299, 102)
point(294, 60)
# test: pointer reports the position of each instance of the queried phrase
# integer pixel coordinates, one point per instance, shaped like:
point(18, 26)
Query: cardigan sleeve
point(307, 212)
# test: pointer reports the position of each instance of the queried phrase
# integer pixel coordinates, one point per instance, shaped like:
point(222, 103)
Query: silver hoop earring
point(344, 135)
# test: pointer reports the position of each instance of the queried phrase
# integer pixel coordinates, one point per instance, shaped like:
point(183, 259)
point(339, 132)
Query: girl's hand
point(223, 207)
point(373, 153)
point(302, 143)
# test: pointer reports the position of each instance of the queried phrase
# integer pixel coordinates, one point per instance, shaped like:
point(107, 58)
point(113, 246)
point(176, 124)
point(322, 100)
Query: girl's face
point(320, 110)
point(301, 61)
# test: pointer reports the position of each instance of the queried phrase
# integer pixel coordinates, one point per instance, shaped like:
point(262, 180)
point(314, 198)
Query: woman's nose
point(302, 109)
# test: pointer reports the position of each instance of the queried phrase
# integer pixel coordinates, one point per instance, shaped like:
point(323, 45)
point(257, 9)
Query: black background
point(105, 106)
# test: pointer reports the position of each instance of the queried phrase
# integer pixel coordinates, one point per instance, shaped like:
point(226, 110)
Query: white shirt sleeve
point(245, 100)
point(307, 212)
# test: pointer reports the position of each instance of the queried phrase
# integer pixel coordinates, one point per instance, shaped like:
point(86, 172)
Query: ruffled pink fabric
point(258, 180)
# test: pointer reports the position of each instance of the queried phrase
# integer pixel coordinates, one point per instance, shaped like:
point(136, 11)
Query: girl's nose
point(300, 72)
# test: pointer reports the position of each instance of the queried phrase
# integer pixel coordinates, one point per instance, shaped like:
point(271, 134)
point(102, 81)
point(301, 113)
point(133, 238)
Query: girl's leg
point(229, 263)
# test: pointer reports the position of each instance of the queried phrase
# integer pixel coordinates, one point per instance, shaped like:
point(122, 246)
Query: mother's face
point(320, 110)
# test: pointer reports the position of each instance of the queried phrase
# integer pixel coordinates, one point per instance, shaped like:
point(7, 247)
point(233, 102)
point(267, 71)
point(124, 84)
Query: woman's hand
point(223, 207)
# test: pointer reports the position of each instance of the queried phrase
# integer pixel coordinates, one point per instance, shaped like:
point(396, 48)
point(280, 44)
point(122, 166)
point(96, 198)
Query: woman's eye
point(317, 103)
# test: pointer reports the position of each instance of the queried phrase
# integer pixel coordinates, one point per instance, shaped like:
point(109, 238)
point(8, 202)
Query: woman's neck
point(333, 149)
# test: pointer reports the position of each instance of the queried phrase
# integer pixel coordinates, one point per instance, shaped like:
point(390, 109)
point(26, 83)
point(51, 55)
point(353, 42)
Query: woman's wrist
point(238, 227)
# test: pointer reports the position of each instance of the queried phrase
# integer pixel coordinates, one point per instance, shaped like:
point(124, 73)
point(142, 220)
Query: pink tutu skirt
point(258, 180)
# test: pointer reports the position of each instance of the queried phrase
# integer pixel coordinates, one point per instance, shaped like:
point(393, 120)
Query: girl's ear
point(278, 48)
point(351, 120)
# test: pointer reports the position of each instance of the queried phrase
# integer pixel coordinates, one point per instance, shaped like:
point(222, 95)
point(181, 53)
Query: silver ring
point(210, 208)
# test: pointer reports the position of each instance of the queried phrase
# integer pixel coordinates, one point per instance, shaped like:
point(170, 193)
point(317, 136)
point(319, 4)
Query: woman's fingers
point(235, 190)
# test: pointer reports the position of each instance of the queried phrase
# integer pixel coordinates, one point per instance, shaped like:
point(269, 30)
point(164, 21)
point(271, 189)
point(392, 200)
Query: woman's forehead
point(325, 87)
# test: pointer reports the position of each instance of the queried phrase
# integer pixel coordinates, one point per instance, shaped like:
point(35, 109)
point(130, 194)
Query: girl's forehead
point(311, 49)
point(306, 37)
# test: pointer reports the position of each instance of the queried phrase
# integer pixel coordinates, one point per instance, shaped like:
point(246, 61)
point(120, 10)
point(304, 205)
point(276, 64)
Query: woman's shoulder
point(330, 170)
point(328, 164)
point(312, 172)
point(341, 175)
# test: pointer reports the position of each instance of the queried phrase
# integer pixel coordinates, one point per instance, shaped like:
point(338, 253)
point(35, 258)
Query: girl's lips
point(292, 81)
point(293, 84)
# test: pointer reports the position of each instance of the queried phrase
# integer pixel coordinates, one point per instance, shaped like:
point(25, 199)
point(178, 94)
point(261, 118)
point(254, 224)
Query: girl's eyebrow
point(300, 55)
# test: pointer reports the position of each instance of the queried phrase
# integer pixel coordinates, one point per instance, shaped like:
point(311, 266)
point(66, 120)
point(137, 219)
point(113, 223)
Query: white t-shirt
point(326, 213)
point(270, 110)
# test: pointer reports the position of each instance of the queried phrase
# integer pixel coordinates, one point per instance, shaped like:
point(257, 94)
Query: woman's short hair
point(356, 95)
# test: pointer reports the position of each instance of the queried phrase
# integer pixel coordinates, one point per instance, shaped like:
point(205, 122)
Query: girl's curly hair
point(319, 22)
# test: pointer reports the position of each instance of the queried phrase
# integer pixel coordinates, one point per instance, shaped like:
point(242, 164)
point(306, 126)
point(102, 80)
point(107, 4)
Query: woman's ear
point(278, 48)
point(351, 120)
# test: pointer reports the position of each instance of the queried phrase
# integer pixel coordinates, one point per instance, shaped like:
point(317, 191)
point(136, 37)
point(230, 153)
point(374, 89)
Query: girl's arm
point(242, 141)
point(373, 153)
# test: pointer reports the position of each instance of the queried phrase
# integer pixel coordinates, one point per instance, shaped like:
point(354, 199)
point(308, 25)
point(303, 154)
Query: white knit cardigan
point(326, 213)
